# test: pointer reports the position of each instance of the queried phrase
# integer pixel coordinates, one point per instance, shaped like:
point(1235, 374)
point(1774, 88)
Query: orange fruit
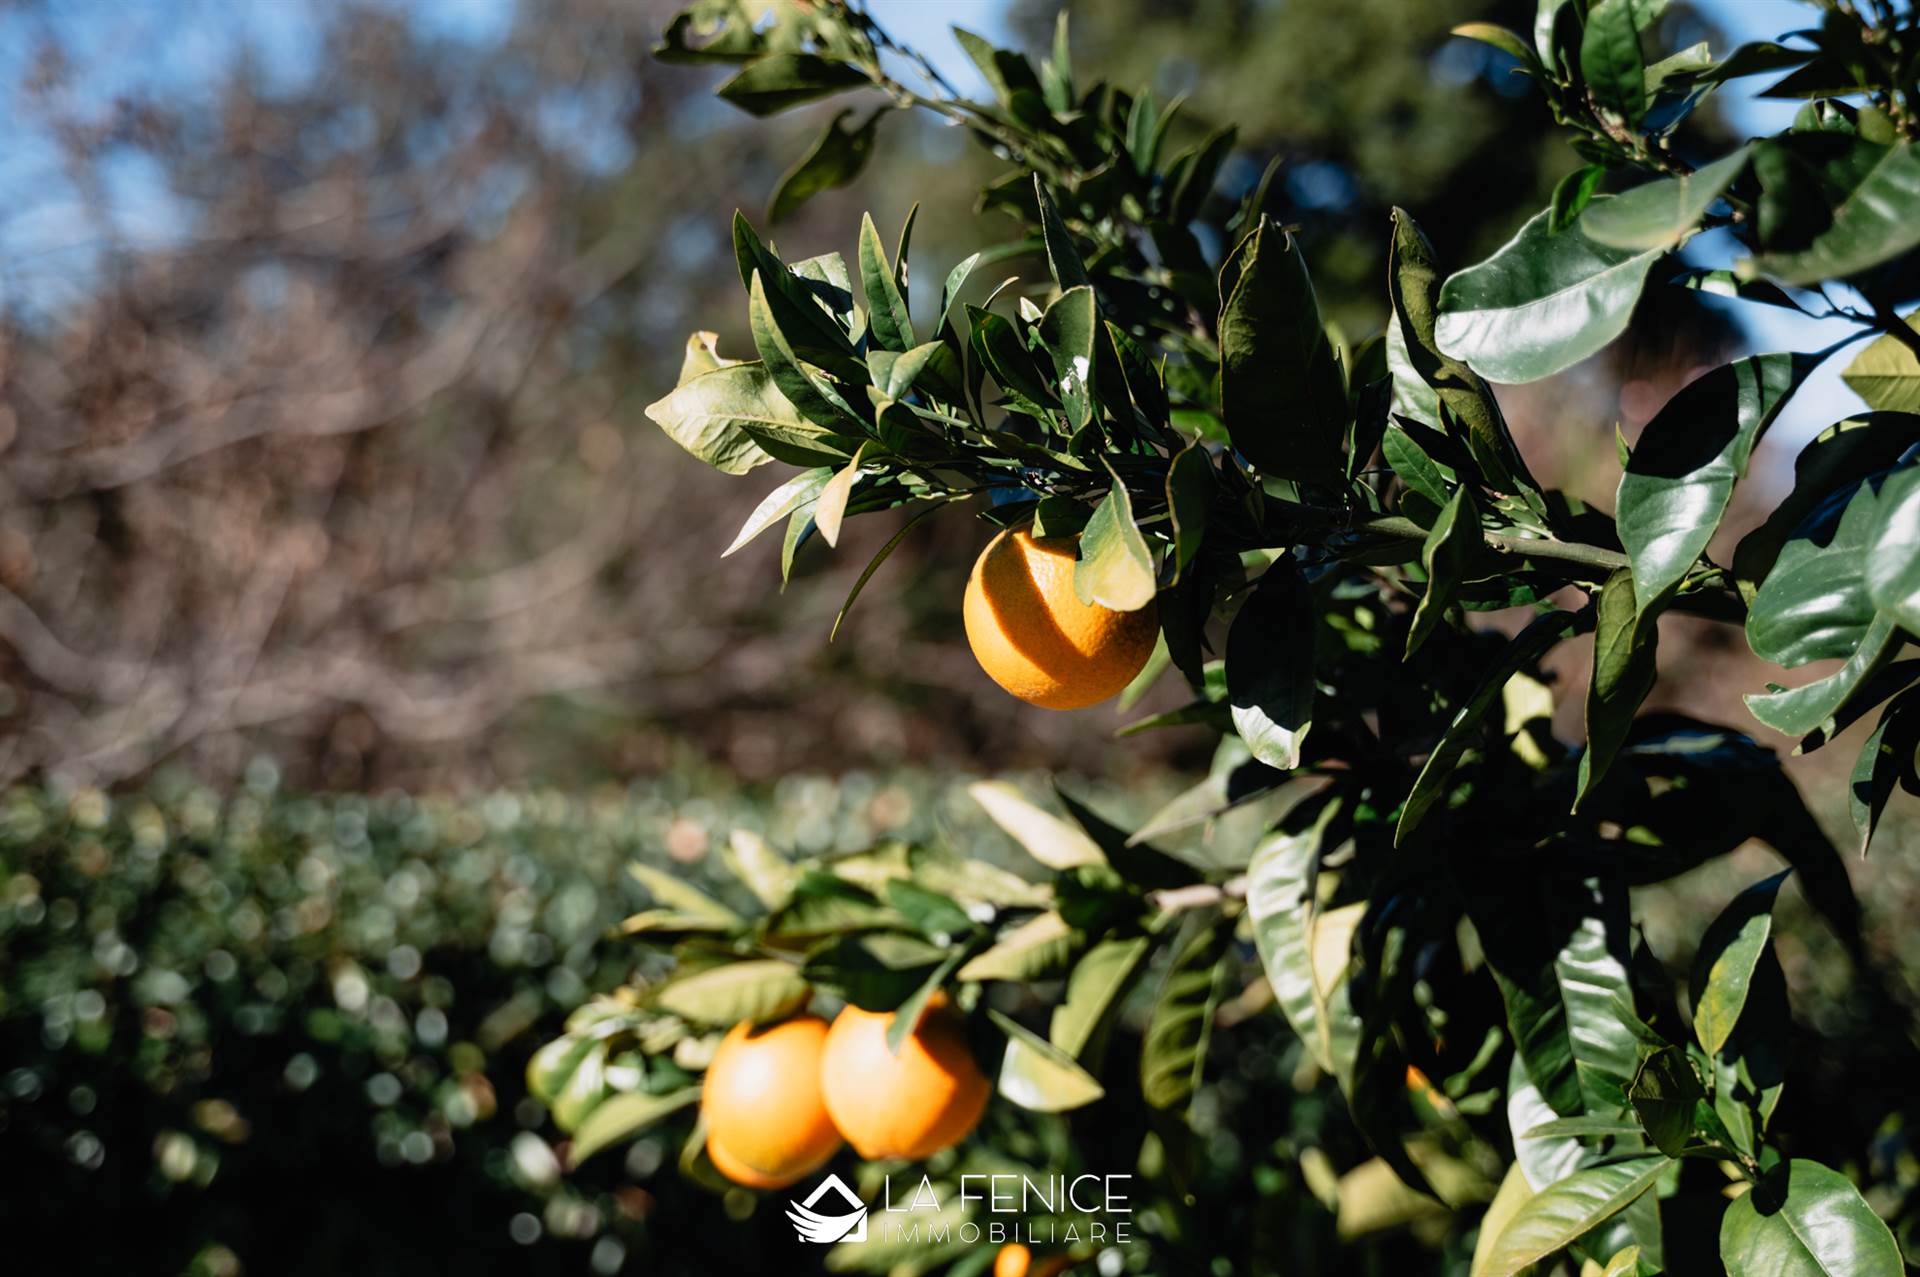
point(1032, 634)
point(909, 1105)
point(767, 1123)
point(1016, 1260)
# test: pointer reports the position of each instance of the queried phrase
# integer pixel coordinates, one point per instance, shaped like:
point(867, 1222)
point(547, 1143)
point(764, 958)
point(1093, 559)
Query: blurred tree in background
point(321, 370)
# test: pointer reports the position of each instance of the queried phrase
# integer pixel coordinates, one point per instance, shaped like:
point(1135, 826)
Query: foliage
point(1444, 892)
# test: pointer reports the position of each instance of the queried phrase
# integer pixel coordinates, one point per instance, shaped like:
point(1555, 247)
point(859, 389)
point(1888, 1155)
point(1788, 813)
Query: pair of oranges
point(780, 1098)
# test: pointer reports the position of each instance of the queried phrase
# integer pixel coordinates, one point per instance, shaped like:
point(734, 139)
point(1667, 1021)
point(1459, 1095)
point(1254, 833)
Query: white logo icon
point(812, 1226)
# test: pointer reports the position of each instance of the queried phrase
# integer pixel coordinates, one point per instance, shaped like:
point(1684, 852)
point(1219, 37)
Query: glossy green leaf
point(1556, 1217)
point(1623, 1263)
point(1270, 662)
point(1281, 904)
point(1799, 710)
point(1068, 330)
point(1174, 1050)
point(1572, 194)
point(758, 990)
point(1625, 649)
point(1681, 476)
point(1662, 213)
point(621, 1117)
point(1871, 224)
point(1063, 259)
point(1452, 546)
point(1724, 966)
point(1814, 603)
point(1542, 303)
point(1416, 467)
point(1893, 549)
point(778, 504)
point(773, 83)
point(1886, 756)
point(1514, 1192)
point(836, 157)
point(1806, 1220)
point(1039, 1076)
point(1115, 568)
point(1431, 784)
point(1281, 387)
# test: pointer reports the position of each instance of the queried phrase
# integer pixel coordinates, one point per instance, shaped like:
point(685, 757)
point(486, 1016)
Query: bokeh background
point(355, 626)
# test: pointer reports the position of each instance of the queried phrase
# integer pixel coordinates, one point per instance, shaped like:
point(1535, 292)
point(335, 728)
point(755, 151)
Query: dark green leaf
point(1886, 757)
point(1189, 494)
point(1871, 224)
point(1797, 711)
point(1280, 383)
point(1625, 645)
point(1610, 58)
point(621, 1117)
point(1452, 546)
point(906, 1017)
point(835, 159)
point(1527, 647)
point(887, 315)
point(1572, 195)
point(1662, 213)
point(1663, 1094)
point(1063, 259)
point(1270, 660)
point(1068, 331)
point(769, 85)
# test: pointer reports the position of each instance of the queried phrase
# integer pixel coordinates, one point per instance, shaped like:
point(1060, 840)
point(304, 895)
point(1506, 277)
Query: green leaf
point(1055, 843)
point(1189, 496)
point(1886, 374)
point(877, 971)
point(758, 990)
point(769, 875)
point(1663, 1094)
point(1005, 71)
point(1625, 646)
point(709, 416)
point(873, 565)
point(1068, 331)
point(1115, 568)
point(1559, 953)
point(1663, 213)
point(1034, 950)
point(1039, 1076)
point(1431, 785)
point(1063, 259)
point(1624, 1263)
point(1514, 1193)
point(1452, 546)
point(1508, 42)
point(1806, 1220)
point(931, 913)
point(1610, 58)
point(1413, 275)
point(1885, 757)
point(1281, 905)
point(780, 503)
point(1814, 603)
point(681, 895)
point(1557, 1216)
point(1728, 956)
point(887, 316)
point(1893, 550)
point(1681, 476)
point(1270, 660)
point(1542, 303)
point(1094, 991)
point(835, 159)
point(1174, 1051)
point(623, 1116)
point(1872, 223)
point(906, 1017)
point(1572, 195)
point(1797, 711)
point(1416, 467)
point(1281, 387)
point(769, 85)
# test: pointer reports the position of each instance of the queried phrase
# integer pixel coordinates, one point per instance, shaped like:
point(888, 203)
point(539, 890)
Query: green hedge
point(290, 1034)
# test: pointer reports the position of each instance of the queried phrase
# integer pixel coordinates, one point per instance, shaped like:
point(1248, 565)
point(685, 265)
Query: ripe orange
point(766, 1122)
point(1016, 1260)
point(1032, 634)
point(909, 1105)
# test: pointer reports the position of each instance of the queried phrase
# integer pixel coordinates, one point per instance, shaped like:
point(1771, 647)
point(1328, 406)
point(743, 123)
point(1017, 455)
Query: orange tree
point(1441, 912)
